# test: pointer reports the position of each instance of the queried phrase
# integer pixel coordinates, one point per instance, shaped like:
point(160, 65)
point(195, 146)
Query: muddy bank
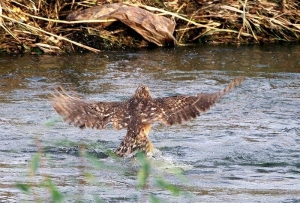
point(42, 27)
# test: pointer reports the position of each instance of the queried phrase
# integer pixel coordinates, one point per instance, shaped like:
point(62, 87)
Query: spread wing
point(175, 110)
point(90, 114)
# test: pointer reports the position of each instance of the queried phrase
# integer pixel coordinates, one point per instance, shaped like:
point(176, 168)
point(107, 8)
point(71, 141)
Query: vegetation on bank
point(41, 26)
point(40, 186)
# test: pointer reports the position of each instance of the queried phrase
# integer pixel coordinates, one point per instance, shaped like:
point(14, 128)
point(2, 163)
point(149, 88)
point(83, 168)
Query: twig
point(70, 22)
point(49, 33)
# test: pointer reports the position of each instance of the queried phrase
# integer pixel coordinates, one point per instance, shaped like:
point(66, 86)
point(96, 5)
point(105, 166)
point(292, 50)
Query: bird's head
point(142, 92)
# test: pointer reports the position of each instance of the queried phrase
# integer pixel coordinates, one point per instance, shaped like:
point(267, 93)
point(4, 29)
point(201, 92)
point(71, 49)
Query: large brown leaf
point(154, 28)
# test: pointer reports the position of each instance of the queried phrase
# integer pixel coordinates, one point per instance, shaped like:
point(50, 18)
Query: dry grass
point(40, 27)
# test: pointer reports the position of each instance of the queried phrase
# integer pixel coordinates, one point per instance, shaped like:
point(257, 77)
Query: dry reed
point(40, 27)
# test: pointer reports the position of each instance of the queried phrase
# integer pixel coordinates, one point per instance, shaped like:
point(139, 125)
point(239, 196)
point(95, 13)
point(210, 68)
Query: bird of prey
point(137, 114)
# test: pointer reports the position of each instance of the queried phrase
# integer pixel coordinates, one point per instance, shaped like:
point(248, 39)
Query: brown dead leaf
point(154, 28)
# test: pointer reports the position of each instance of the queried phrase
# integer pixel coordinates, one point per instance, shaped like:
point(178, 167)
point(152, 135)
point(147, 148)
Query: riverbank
point(40, 27)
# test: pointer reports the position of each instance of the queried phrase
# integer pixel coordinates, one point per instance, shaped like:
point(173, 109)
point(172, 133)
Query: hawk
point(137, 114)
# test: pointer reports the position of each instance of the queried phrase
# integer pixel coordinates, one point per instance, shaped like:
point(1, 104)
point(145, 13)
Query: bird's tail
point(133, 143)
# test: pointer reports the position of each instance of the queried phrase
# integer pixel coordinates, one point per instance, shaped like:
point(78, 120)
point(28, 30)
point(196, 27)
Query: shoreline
point(29, 28)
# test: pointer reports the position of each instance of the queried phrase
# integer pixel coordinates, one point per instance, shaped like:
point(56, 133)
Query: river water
point(245, 149)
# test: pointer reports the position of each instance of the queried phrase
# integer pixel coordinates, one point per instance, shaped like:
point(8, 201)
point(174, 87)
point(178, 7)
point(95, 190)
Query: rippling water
point(245, 149)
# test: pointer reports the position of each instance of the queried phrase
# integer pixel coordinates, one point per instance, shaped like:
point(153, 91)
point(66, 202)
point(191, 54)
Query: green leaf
point(167, 186)
point(90, 177)
point(142, 178)
point(154, 199)
point(111, 154)
point(24, 187)
point(52, 122)
point(95, 162)
point(97, 199)
point(35, 163)
point(144, 171)
point(55, 193)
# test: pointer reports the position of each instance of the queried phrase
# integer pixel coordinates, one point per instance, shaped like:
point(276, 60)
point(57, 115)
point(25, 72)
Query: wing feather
point(89, 114)
point(177, 109)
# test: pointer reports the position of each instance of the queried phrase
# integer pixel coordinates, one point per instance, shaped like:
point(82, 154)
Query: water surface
point(245, 149)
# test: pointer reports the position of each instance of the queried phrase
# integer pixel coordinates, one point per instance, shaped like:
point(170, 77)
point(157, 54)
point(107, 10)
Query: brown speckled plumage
point(136, 114)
